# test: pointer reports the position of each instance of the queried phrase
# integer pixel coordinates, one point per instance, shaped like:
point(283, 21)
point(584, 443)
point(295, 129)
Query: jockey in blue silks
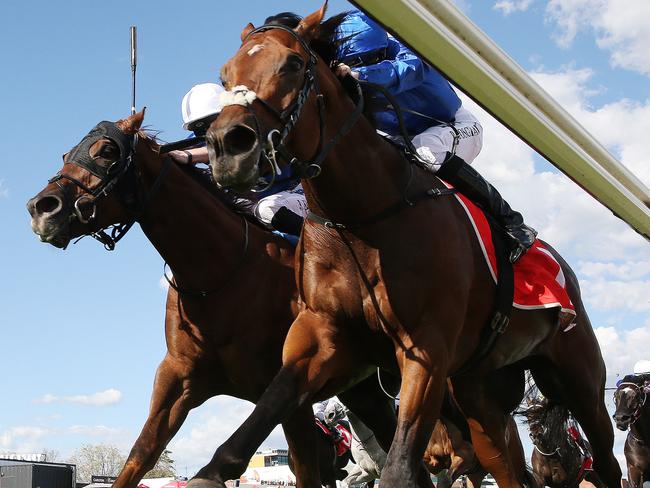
point(446, 136)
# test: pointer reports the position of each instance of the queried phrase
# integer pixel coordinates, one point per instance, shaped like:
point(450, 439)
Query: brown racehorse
point(633, 413)
point(408, 282)
point(209, 247)
point(184, 380)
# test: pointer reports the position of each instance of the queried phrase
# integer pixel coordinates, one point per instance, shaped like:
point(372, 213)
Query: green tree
point(100, 460)
point(163, 468)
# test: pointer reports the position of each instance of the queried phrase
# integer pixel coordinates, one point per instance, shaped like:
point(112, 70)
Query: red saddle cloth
point(539, 279)
point(344, 443)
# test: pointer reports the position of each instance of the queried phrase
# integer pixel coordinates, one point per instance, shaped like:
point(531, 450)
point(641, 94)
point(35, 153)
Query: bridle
point(109, 177)
point(276, 139)
point(640, 402)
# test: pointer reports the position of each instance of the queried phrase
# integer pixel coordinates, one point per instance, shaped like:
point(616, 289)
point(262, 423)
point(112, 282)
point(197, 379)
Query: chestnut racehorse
point(210, 249)
point(198, 233)
point(385, 264)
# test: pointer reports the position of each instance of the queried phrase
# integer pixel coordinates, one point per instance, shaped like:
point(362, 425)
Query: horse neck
point(187, 224)
point(362, 172)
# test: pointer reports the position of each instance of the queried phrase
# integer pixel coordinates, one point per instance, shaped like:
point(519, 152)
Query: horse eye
point(293, 64)
point(108, 151)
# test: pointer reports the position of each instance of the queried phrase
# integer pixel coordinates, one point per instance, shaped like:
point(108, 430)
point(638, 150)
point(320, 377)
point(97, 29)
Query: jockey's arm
point(191, 156)
point(403, 71)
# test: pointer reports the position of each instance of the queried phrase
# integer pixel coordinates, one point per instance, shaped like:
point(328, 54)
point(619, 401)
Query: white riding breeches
point(435, 142)
point(293, 199)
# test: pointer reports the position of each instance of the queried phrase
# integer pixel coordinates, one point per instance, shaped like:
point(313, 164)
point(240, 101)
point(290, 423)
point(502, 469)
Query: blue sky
point(84, 326)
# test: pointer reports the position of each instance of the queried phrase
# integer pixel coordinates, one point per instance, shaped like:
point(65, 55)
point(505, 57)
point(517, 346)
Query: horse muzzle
point(622, 421)
point(234, 154)
point(49, 221)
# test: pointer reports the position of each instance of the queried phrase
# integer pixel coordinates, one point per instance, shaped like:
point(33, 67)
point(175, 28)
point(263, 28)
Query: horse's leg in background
point(424, 382)
point(474, 480)
point(483, 401)
point(314, 354)
point(302, 437)
point(174, 394)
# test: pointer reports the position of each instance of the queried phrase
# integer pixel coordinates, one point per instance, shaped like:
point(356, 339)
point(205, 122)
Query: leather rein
point(109, 178)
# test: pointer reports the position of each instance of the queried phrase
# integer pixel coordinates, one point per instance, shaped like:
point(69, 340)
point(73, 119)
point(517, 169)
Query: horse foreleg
point(421, 395)
point(301, 438)
point(312, 357)
point(174, 394)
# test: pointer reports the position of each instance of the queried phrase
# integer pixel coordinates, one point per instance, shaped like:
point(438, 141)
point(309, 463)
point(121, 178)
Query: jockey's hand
point(342, 70)
point(181, 157)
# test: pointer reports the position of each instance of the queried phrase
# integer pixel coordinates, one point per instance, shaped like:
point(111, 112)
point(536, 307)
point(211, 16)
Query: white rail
point(444, 36)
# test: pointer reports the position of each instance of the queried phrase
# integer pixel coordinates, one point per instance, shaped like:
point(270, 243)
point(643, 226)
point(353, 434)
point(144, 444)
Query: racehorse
point(217, 256)
point(559, 459)
point(633, 413)
point(386, 259)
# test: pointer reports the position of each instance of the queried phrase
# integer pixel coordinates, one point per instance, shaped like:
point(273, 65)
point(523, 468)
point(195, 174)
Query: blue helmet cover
point(359, 35)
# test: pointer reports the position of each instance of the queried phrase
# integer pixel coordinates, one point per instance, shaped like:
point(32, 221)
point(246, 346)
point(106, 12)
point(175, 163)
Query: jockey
point(319, 412)
point(446, 136)
point(640, 375)
point(282, 207)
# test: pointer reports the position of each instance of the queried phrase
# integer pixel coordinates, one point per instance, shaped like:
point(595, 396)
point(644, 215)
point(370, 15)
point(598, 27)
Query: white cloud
point(602, 294)
point(209, 426)
point(565, 215)
point(23, 439)
point(620, 27)
point(508, 7)
point(621, 349)
point(4, 191)
point(631, 270)
point(93, 430)
point(99, 399)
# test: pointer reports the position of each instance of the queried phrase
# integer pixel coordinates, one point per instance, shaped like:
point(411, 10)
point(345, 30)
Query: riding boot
point(287, 221)
point(471, 184)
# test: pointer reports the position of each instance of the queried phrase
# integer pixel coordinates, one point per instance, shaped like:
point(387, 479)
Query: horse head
point(629, 399)
point(277, 86)
point(89, 193)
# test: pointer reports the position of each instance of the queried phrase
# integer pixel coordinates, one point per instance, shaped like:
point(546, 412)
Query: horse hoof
point(203, 483)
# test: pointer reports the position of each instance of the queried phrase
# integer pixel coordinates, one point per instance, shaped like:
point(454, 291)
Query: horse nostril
point(48, 205)
point(239, 140)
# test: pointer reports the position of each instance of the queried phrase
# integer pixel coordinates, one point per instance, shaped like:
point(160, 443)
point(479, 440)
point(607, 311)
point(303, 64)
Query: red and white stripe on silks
point(539, 279)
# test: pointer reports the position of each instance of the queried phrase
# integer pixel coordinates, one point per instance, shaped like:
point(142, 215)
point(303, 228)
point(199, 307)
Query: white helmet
point(201, 101)
point(642, 366)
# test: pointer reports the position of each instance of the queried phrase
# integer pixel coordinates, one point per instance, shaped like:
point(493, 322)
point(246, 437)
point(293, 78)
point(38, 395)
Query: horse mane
point(325, 43)
point(202, 176)
point(538, 411)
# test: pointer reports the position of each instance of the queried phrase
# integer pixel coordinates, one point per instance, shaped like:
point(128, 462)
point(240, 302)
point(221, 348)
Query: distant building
point(270, 457)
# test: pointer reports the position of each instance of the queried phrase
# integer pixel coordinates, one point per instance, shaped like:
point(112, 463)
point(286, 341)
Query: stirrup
point(523, 242)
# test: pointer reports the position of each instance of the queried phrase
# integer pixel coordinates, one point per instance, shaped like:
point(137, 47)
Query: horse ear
point(247, 30)
point(132, 124)
point(308, 26)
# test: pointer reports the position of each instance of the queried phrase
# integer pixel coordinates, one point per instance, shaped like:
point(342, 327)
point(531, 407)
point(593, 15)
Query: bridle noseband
point(640, 402)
